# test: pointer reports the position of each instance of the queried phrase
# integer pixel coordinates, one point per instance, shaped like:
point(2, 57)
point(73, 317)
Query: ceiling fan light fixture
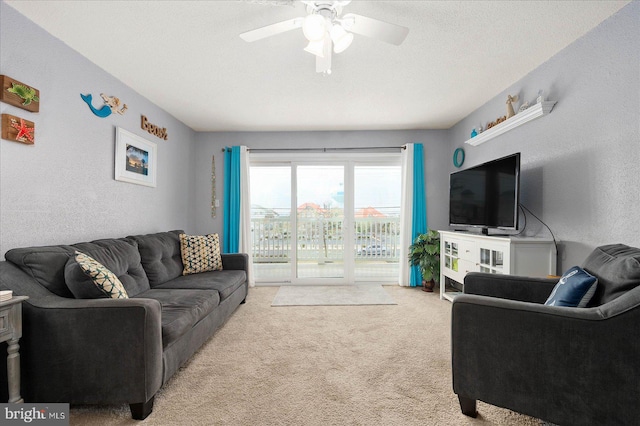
point(341, 39)
point(327, 30)
point(313, 27)
point(316, 47)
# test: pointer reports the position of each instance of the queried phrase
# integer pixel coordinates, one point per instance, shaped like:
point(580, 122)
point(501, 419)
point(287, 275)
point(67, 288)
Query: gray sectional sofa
point(110, 351)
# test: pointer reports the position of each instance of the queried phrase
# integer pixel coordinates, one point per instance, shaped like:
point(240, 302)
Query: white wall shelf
point(531, 113)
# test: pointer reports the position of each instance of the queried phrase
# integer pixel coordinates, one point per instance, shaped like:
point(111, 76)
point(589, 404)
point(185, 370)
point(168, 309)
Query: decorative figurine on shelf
point(495, 123)
point(510, 100)
point(479, 128)
point(474, 133)
point(523, 107)
point(540, 98)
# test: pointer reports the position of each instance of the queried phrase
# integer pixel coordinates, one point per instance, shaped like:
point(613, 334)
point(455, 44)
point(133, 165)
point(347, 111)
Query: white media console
point(463, 252)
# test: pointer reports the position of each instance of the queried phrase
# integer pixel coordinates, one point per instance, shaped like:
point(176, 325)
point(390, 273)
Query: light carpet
point(332, 295)
point(319, 365)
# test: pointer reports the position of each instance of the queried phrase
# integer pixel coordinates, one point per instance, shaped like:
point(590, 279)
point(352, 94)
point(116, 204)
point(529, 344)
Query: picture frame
point(135, 159)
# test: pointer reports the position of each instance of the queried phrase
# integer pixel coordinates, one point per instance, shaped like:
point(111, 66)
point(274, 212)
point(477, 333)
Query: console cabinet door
point(450, 259)
point(493, 258)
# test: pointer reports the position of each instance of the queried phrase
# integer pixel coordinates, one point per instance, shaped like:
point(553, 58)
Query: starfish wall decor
point(18, 129)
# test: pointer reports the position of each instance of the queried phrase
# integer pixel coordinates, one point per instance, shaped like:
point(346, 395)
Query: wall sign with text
point(153, 129)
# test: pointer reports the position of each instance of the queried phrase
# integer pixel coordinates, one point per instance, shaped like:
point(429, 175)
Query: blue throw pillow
point(575, 289)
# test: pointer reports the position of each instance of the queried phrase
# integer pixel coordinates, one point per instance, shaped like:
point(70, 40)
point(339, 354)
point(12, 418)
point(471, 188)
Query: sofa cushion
point(86, 274)
point(200, 253)
point(575, 289)
point(181, 309)
point(160, 255)
point(45, 265)
point(119, 256)
point(617, 268)
point(226, 282)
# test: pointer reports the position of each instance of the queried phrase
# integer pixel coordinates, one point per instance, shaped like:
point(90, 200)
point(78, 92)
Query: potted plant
point(425, 253)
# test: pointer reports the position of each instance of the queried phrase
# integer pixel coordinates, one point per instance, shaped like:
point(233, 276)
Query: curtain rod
point(376, 148)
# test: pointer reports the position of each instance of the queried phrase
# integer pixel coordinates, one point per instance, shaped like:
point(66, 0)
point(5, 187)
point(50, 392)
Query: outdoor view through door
point(325, 222)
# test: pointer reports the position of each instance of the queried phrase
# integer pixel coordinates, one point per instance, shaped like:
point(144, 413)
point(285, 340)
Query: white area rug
point(332, 295)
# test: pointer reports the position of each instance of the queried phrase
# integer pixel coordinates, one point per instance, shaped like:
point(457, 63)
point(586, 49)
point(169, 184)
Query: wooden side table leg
point(13, 371)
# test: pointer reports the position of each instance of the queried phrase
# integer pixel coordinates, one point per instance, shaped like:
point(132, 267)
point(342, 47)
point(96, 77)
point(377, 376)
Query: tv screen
point(486, 195)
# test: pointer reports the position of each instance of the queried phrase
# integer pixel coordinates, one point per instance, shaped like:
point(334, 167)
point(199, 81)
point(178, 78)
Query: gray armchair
point(569, 366)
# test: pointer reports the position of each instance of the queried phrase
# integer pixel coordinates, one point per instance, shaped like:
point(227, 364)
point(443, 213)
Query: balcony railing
point(321, 239)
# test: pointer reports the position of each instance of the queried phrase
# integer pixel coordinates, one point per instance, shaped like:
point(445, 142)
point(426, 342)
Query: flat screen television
point(486, 196)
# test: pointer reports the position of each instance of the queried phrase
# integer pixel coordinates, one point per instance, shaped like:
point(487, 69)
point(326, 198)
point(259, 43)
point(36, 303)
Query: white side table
point(11, 332)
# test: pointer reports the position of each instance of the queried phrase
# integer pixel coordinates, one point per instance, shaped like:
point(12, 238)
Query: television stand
point(461, 253)
point(483, 231)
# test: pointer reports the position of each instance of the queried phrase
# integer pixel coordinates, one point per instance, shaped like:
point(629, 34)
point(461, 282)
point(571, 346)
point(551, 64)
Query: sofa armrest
point(564, 365)
point(524, 289)
point(91, 350)
point(235, 261)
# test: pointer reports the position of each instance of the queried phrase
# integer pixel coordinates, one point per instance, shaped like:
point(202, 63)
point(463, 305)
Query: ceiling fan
point(327, 29)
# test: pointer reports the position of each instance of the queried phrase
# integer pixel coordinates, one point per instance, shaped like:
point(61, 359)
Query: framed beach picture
point(135, 159)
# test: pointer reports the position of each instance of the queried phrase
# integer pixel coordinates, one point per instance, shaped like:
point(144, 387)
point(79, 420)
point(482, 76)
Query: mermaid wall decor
point(111, 105)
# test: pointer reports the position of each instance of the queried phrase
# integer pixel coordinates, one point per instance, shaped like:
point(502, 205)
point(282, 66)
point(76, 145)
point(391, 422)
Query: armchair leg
point(141, 410)
point(468, 406)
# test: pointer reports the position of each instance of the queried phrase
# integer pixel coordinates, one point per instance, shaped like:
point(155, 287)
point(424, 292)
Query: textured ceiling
point(187, 57)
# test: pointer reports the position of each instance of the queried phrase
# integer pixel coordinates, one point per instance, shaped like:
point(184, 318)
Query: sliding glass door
point(271, 230)
point(326, 221)
point(377, 221)
point(320, 252)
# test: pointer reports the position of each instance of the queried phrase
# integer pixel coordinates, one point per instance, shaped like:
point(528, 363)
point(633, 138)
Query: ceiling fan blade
point(272, 29)
point(369, 27)
point(323, 64)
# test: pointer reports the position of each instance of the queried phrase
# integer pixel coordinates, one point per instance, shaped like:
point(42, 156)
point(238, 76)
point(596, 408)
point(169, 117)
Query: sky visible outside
point(375, 186)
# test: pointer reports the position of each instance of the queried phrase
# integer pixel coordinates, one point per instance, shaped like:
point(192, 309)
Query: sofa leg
point(243, 301)
point(468, 406)
point(141, 410)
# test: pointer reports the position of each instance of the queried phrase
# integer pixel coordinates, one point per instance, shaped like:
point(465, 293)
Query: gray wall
point(62, 189)
point(436, 147)
point(581, 163)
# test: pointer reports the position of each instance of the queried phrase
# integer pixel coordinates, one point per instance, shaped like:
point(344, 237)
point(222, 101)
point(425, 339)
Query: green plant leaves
point(425, 253)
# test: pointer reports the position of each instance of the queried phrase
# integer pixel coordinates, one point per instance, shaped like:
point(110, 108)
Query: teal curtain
point(231, 207)
point(419, 216)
